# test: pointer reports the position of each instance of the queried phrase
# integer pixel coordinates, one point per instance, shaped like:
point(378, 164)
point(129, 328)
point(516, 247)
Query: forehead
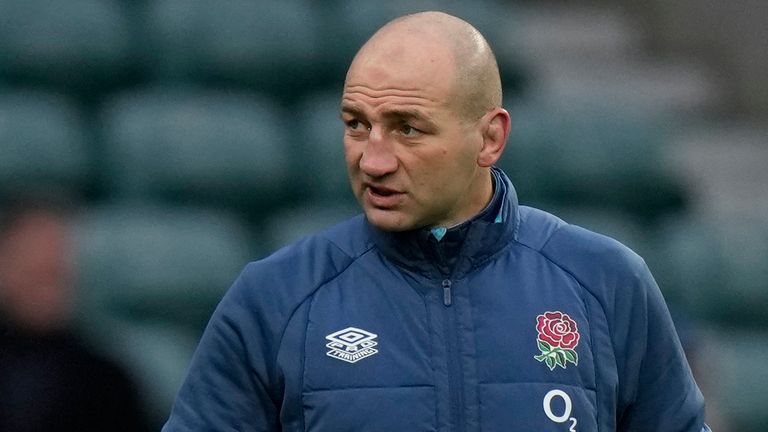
point(406, 69)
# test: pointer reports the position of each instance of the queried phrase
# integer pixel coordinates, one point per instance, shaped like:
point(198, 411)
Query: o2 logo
point(566, 414)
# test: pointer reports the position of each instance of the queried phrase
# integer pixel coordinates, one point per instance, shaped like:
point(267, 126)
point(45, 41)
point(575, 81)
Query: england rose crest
point(557, 340)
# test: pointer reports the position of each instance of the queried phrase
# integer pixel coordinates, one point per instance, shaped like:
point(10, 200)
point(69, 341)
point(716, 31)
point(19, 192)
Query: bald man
point(446, 306)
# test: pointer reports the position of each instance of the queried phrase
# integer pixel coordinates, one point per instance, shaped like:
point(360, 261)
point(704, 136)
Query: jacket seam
point(596, 364)
point(310, 296)
point(365, 388)
point(476, 265)
point(576, 278)
point(352, 260)
point(534, 382)
point(584, 287)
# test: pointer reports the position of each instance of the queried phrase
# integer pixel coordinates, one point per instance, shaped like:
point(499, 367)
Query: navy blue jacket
point(513, 321)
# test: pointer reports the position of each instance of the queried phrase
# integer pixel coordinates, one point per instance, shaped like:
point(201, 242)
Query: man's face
point(35, 272)
point(411, 157)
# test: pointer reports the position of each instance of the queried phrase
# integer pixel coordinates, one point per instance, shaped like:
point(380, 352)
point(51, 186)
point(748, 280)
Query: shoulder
point(602, 265)
point(294, 272)
point(316, 257)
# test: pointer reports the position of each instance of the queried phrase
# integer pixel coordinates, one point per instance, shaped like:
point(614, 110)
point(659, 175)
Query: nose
point(378, 157)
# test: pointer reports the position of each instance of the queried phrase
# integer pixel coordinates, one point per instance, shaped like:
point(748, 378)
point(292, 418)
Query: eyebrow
point(400, 113)
point(350, 109)
point(406, 114)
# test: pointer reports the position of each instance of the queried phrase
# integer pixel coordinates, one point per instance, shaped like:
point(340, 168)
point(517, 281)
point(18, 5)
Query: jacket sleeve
point(657, 389)
point(230, 385)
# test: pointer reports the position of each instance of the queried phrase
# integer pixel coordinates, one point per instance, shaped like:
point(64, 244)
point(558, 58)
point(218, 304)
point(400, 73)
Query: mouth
point(382, 196)
point(381, 191)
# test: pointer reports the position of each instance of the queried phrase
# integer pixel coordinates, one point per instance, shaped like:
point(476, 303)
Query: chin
point(387, 220)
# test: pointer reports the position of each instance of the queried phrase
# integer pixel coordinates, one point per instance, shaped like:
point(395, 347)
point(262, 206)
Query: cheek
point(452, 170)
point(352, 155)
point(435, 168)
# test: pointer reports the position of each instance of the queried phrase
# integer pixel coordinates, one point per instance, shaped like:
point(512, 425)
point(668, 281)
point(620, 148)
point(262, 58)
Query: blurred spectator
point(49, 379)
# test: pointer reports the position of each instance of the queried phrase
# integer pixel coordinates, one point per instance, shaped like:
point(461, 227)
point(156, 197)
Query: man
point(49, 380)
point(448, 306)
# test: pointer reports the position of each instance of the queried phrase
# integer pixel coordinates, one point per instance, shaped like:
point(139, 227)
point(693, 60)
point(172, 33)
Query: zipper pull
point(447, 292)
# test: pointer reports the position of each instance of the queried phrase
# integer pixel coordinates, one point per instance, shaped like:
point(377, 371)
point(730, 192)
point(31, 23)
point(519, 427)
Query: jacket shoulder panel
point(283, 280)
point(602, 265)
point(606, 268)
point(536, 227)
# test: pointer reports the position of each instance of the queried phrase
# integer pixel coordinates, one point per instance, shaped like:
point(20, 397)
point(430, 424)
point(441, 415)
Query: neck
point(460, 248)
point(479, 194)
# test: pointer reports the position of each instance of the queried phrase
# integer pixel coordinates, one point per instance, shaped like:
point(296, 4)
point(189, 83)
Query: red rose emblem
point(558, 330)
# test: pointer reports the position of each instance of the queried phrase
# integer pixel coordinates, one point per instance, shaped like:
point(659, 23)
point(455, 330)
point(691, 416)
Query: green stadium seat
point(321, 141)
point(157, 264)
point(269, 46)
point(718, 269)
point(149, 279)
point(82, 45)
point(198, 146)
point(591, 155)
point(43, 144)
point(734, 378)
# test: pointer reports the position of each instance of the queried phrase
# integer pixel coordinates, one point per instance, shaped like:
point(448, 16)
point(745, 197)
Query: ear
point(496, 127)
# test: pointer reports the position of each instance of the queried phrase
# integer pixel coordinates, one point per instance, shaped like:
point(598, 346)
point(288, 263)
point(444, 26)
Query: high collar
point(464, 246)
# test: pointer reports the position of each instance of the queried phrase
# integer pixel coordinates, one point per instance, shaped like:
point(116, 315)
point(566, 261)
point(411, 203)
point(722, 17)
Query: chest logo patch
point(557, 340)
point(351, 344)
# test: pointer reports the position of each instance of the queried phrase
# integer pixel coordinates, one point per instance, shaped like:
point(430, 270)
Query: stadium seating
point(267, 46)
point(670, 88)
point(590, 155)
point(157, 264)
point(198, 146)
point(549, 34)
point(321, 142)
point(83, 46)
point(157, 355)
point(43, 144)
point(732, 362)
point(717, 270)
point(289, 225)
point(149, 278)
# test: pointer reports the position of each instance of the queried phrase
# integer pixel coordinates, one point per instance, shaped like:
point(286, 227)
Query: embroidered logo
point(351, 344)
point(557, 340)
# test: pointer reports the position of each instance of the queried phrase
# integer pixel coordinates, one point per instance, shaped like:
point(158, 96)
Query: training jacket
point(512, 321)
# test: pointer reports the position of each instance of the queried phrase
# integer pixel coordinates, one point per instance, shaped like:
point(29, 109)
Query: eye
point(355, 125)
point(408, 130)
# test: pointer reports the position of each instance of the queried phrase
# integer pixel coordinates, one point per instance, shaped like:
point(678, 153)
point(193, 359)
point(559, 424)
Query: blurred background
point(188, 137)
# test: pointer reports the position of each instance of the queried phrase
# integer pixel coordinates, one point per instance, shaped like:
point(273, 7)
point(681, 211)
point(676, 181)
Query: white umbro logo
point(351, 344)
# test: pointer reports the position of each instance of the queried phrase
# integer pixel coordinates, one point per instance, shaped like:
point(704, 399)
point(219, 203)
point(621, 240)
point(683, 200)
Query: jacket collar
point(463, 247)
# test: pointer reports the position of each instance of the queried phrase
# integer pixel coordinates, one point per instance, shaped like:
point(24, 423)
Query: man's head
point(423, 122)
point(35, 267)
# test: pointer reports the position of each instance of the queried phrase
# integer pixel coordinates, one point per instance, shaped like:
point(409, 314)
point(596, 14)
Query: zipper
point(447, 300)
point(455, 373)
point(456, 407)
